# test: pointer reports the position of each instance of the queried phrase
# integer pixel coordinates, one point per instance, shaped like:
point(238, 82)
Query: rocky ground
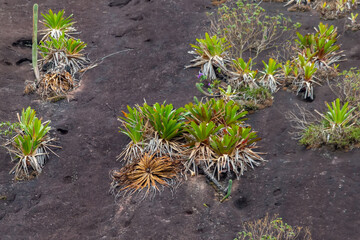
point(70, 200)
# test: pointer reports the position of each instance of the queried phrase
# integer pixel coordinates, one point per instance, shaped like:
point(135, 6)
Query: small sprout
point(353, 18)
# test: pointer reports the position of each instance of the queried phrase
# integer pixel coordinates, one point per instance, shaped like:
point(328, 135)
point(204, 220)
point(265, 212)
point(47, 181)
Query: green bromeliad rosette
point(56, 25)
point(30, 146)
point(60, 52)
point(210, 54)
point(153, 129)
point(62, 57)
point(270, 73)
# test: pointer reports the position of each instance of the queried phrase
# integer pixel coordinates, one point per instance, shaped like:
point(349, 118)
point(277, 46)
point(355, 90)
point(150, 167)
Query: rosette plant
point(199, 150)
point(150, 173)
point(57, 25)
point(30, 145)
point(353, 18)
point(242, 74)
point(338, 117)
point(211, 53)
point(287, 69)
point(166, 126)
point(61, 52)
point(133, 126)
point(268, 80)
point(217, 111)
point(321, 47)
point(308, 78)
point(152, 129)
point(233, 150)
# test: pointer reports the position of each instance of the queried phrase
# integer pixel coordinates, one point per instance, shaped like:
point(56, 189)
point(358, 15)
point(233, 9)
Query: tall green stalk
point(34, 42)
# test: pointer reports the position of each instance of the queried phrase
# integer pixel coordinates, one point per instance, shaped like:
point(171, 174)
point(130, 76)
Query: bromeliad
point(57, 25)
point(268, 80)
point(210, 55)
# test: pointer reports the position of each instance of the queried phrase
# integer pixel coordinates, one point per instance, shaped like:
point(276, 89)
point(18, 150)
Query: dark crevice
point(6, 63)
point(23, 43)
point(62, 131)
point(119, 3)
point(22, 61)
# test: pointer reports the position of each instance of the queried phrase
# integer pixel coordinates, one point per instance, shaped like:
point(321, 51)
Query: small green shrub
point(7, 129)
point(254, 98)
point(347, 87)
point(339, 127)
point(316, 135)
point(272, 228)
point(248, 28)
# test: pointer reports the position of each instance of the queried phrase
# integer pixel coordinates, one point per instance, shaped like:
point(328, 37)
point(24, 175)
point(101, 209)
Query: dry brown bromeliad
point(55, 84)
point(150, 172)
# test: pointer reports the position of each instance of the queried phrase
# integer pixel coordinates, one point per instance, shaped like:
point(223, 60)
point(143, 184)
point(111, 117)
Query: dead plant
point(149, 175)
point(54, 85)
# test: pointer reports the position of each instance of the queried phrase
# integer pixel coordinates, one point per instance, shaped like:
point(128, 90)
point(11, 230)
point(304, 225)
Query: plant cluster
point(353, 25)
point(30, 145)
point(7, 128)
point(316, 56)
point(335, 9)
point(62, 56)
point(217, 138)
point(338, 127)
point(152, 129)
point(151, 157)
point(239, 82)
point(237, 30)
point(208, 135)
point(272, 228)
